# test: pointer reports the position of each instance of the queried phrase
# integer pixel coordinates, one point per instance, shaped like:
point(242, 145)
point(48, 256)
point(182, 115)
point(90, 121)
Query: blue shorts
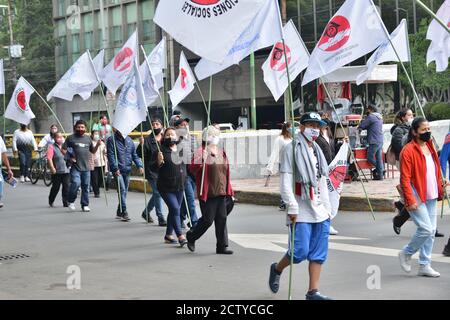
point(310, 242)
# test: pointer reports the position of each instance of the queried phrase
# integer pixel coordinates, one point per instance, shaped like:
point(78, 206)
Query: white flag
point(275, 71)
point(337, 173)
point(80, 79)
point(209, 28)
point(2, 78)
point(99, 61)
point(354, 31)
point(439, 50)
point(262, 32)
point(386, 53)
point(19, 106)
point(131, 109)
point(157, 62)
point(117, 71)
point(149, 85)
point(184, 84)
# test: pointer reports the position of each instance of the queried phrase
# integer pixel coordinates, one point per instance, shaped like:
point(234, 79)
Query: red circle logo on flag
point(123, 60)
point(184, 75)
point(336, 34)
point(337, 176)
point(277, 60)
point(205, 2)
point(21, 100)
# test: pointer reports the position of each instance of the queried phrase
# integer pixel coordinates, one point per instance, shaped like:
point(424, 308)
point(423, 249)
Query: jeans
point(425, 219)
point(57, 181)
point(25, 162)
point(156, 202)
point(173, 201)
point(375, 157)
point(79, 178)
point(189, 189)
point(123, 182)
point(214, 210)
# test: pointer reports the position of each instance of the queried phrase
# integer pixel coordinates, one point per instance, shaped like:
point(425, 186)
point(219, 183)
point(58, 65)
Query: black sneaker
point(316, 296)
point(162, 223)
point(397, 230)
point(224, 251)
point(274, 278)
point(438, 234)
point(446, 251)
point(190, 243)
point(125, 217)
point(144, 216)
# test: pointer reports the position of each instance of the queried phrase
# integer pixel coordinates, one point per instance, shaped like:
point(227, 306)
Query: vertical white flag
point(117, 71)
point(275, 71)
point(80, 79)
point(262, 32)
point(439, 50)
point(2, 78)
point(19, 106)
point(157, 62)
point(385, 52)
point(354, 31)
point(99, 61)
point(131, 109)
point(184, 84)
point(149, 85)
point(209, 28)
point(337, 172)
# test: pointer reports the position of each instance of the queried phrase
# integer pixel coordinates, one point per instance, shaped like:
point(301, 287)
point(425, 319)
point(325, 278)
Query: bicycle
point(39, 168)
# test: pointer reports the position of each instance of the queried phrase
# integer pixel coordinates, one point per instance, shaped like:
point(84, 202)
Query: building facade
point(80, 25)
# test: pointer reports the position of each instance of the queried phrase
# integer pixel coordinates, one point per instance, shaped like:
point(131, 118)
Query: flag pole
point(432, 14)
point(409, 80)
point(209, 123)
point(113, 134)
point(147, 216)
point(4, 119)
point(47, 105)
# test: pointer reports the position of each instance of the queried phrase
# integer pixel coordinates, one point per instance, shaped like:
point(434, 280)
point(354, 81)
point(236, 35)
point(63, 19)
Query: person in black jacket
point(326, 141)
point(171, 180)
point(400, 131)
point(150, 147)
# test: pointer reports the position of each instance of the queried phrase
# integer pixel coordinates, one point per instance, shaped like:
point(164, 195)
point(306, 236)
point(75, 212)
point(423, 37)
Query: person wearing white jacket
point(308, 207)
point(23, 145)
point(281, 141)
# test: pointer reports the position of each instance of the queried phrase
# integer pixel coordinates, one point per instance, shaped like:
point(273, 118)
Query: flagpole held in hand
point(147, 216)
point(208, 110)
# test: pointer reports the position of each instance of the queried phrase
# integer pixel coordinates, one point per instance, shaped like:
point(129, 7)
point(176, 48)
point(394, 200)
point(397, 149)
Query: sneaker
point(397, 230)
point(274, 278)
point(50, 205)
point(438, 234)
point(144, 216)
point(446, 251)
point(190, 243)
point(72, 207)
point(333, 231)
point(316, 296)
point(282, 207)
point(22, 179)
point(427, 271)
point(169, 240)
point(162, 223)
point(86, 209)
point(118, 216)
point(125, 217)
point(405, 261)
point(27, 179)
point(224, 251)
point(182, 242)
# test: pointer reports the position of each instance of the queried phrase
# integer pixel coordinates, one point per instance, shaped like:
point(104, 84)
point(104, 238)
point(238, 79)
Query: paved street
point(130, 261)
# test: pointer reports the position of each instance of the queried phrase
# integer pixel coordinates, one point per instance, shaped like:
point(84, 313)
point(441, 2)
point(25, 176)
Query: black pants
point(214, 210)
point(57, 181)
point(402, 216)
point(97, 179)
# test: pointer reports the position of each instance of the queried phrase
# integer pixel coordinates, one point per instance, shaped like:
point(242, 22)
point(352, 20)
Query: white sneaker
point(333, 231)
point(427, 271)
point(22, 179)
point(405, 261)
point(72, 207)
point(27, 179)
point(86, 209)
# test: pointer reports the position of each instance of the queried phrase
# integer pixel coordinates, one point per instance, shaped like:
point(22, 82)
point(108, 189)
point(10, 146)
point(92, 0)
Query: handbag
point(390, 156)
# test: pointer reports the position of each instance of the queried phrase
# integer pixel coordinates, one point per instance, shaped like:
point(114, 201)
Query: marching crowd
point(179, 171)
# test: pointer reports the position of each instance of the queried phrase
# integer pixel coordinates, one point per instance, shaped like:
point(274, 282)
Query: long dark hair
point(400, 115)
point(285, 132)
point(414, 127)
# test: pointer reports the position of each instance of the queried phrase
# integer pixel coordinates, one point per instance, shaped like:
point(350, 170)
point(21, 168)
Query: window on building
point(116, 31)
point(148, 27)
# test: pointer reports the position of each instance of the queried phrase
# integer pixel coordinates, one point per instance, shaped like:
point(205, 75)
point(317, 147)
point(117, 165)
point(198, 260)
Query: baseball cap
point(310, 117)
point(180, 121)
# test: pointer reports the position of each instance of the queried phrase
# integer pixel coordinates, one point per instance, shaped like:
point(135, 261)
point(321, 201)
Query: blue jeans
point(425, 219)
point(155, 202)
point(375, 157)
point(124, 182)
point(173, 201)
point(189, 189)
point(25, 162)
point(79, 178)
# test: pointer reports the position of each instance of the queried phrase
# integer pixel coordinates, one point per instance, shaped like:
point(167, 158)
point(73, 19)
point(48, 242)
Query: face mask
point(425, 136)
point(60, 141)
point(157, 131)
point(214, 140)
point(311, 134)
point(410, 121)
point(96, 137)
point(169, 142)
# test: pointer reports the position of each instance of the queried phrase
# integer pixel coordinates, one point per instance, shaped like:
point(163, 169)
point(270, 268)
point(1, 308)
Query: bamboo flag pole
point(409, 80)
point(147, 216)
point(431, 13)
point(113, 134)
point(208, 111)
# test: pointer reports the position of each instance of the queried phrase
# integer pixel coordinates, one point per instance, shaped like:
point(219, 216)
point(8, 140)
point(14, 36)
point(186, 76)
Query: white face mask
point(311, 134)
point(410, 121)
